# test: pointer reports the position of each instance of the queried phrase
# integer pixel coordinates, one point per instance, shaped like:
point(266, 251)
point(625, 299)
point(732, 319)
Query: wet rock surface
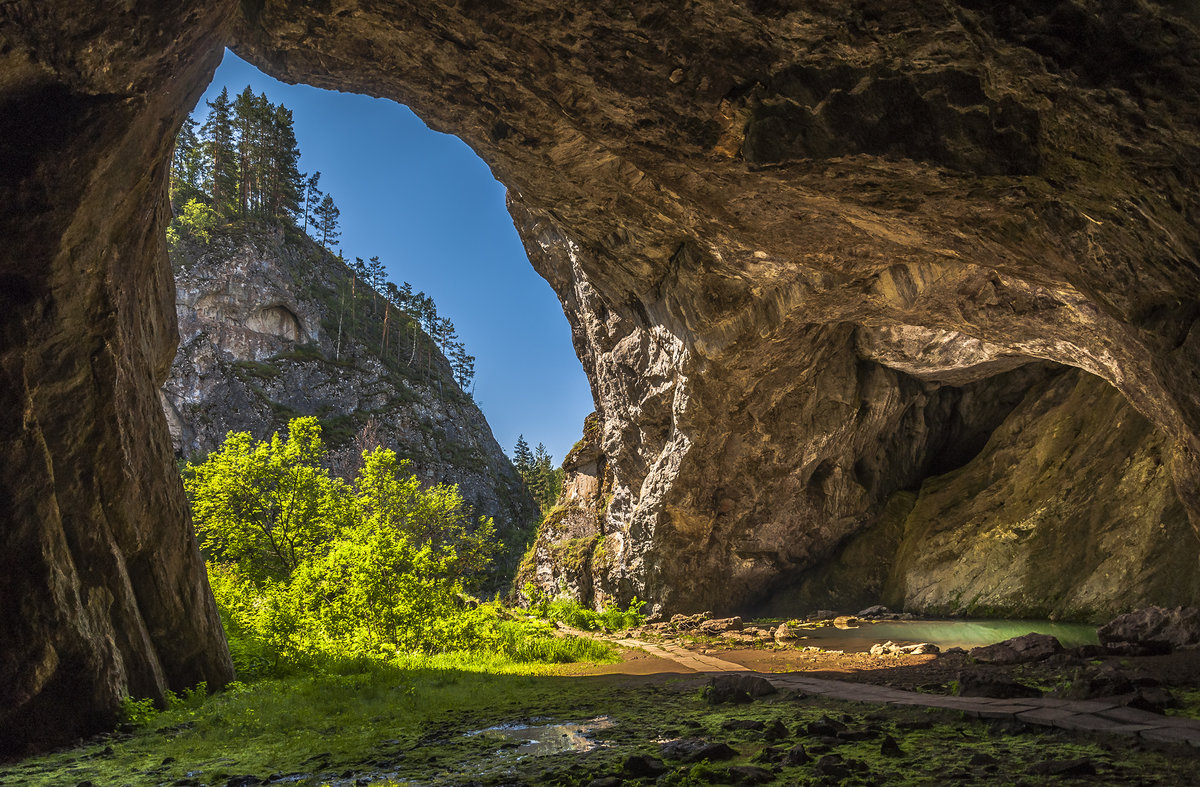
point(811, 257)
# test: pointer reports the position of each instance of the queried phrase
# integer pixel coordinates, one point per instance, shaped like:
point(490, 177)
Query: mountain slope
point(273, 326)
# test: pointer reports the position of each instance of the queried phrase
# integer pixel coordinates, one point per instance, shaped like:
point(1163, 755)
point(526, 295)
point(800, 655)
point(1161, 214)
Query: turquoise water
point(945, 633)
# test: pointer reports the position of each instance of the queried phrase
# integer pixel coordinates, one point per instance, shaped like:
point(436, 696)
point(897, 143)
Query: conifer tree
point(247, 119)
point(285, 183)
point(522, 456)
point(327, 222)
point(312, 197)
point(187, 167)
point(217, 133)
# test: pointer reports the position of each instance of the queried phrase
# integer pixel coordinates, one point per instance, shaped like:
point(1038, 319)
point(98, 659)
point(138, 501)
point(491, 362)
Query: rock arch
point(737, 204)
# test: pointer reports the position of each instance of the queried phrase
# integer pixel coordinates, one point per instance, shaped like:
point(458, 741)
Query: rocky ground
point(1152, 674)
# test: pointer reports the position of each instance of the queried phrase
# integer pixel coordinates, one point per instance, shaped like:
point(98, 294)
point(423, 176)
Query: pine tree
point(246, 121)
point(217, 133)
point(312, 196)
point(375, 277)
point(327, 222)
point(285, 184)
point(522, 457)
point(187, 167)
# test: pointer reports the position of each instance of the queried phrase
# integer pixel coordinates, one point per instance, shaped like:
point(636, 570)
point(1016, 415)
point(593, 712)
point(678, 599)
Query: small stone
point(1153, 700)
point(824, 727)
point(606, 781)
point(831, 766)
point(875, 611)
point(750, 774)
point(714, 752)
point(642, 765)
point(676, 76)
point(742, 724)
point(889, 748)
point(797, 756)
point(770, 755)
point(721, 625)
point(737, 688)
point(775, 731)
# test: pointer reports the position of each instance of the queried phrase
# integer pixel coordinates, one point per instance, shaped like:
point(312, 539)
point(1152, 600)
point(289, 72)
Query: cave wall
point(1068, 512)
point(102, 589)
point(779, 232)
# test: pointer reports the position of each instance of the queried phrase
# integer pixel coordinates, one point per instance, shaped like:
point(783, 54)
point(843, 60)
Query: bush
point(310, 572)
point(196, 220)
point(570, 612)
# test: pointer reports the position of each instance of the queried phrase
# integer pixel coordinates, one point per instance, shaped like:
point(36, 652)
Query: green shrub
point(312, 573)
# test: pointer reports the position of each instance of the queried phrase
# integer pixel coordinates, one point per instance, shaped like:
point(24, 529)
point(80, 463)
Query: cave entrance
point(429, 210)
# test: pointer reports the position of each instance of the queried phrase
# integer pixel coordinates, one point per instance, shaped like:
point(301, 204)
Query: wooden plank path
point(1101, 716)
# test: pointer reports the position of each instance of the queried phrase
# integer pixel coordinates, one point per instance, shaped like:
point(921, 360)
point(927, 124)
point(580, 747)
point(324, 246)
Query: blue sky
point(430, 208)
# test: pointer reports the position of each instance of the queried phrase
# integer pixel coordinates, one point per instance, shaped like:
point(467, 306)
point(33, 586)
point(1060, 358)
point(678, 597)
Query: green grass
point(412, 722)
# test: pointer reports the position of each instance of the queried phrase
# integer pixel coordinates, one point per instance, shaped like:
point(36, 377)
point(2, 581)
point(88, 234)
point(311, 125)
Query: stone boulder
point(1156, 628)
point(721, 625)
point(917, 649)
point(1018, 650)
point(737, 688)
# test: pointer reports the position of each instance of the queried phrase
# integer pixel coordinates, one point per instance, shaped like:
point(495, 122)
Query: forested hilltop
point(274, 325)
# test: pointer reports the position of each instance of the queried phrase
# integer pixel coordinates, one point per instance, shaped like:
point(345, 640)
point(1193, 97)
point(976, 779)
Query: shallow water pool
point(949, 633)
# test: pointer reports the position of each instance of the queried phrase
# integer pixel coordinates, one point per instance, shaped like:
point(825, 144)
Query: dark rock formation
point(1018, 650)
point(806, 252)
point(267, 335)
point(1155, 627)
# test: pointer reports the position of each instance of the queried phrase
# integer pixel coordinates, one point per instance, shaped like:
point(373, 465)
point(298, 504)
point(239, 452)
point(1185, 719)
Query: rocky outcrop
point(783, 235)
point(1155, 627)
point(272, 327)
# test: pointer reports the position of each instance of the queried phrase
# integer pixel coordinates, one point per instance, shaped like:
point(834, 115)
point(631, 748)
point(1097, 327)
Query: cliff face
point(804, 249)
point(272, 327)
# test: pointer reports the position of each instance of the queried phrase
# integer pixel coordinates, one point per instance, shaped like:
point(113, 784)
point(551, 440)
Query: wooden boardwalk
point(1100, 716)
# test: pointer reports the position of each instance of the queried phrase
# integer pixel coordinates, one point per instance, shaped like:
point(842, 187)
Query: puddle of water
point(945, 633)
point(540, 739)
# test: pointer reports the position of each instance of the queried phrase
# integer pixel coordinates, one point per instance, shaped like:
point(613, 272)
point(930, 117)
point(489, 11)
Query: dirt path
point(1098, 715)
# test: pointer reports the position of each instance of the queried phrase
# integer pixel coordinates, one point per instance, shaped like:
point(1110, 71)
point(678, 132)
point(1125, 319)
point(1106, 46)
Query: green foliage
point(536, 468)
point(195, 221)
point(267, 506)
point(570, 612)
point(310, 572)
point(139, 713)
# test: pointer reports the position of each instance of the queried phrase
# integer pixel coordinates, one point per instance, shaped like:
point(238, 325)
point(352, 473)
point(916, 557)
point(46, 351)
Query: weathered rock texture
point(779, 231)
point(1068, 512)
point(270, 331)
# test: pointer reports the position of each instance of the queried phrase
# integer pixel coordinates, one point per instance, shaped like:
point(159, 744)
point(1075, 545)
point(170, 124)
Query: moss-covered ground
point(415, 725)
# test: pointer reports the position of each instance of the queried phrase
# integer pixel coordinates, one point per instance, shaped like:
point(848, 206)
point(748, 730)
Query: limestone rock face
point(260, 344)
point(786, 236)
point(1068, 511)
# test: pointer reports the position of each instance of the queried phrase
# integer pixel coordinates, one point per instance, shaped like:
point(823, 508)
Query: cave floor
point(1108, 715)
point(643, 720)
